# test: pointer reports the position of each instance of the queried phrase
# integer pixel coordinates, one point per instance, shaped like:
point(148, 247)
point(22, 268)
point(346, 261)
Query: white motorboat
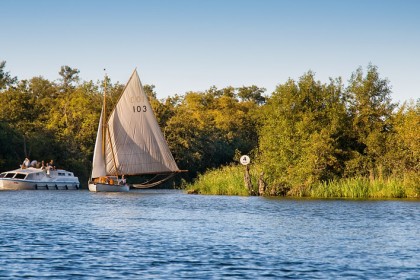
point(38, 179)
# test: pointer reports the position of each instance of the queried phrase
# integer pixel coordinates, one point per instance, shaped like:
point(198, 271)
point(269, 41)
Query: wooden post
point(261, 184)
point(245, 160)
point(247, 179)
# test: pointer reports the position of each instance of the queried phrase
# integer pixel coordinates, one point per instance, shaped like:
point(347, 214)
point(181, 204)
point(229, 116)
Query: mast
point(105, 131)
point(104, 118)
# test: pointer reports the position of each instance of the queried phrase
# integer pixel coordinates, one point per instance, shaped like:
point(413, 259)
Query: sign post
point(245, 160)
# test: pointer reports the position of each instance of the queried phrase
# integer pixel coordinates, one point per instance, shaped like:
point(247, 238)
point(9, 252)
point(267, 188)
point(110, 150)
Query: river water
point(166, 234)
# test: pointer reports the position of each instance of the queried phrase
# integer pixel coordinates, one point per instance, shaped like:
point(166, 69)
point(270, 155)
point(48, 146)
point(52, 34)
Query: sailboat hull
point(99, 187)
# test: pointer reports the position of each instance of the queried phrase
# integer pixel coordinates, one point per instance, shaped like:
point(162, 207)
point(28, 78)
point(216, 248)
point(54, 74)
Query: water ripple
point(169, 235)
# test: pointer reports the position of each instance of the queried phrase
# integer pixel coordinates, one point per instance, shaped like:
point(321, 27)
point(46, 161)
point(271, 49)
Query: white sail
point(98, 168)
point(134, 141)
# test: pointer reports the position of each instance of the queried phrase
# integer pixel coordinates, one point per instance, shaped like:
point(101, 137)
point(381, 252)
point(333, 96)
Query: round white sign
point(245, 160)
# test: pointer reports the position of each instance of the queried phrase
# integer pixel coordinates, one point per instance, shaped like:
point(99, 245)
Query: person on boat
point(123, 181)
point(26, 163)
point(51, 165)
point(42, 165)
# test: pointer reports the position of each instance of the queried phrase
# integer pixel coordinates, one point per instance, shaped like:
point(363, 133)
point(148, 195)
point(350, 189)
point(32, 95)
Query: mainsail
point(98, 168)
point(134, 143)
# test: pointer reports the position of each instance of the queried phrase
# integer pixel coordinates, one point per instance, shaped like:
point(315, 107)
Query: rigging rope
point(149, 183)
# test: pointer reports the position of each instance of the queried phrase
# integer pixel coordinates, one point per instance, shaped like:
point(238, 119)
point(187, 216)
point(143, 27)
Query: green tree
point(252, 93)
point(300, 127)
point(403, 145)
point(371, 109)
point(68, 76)
point(205, 129)
point(10, 141)
point(26, 109)
point(6, 79)
point(149, 90)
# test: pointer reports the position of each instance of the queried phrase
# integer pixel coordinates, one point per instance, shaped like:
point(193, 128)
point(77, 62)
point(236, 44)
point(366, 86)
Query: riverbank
point(229, 180)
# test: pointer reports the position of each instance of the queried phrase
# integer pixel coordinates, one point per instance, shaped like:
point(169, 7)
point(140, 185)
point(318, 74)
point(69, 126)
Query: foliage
point(370, 109)
point(68, 76)
point(47, 121)
point(340, 141)
point(302, 124)
point(9, 140)
point(403, 145)
point(315, 134)
point(5, 79)
point(364, 188)
point(204, 129)
point(308, 138)
point(228, 180)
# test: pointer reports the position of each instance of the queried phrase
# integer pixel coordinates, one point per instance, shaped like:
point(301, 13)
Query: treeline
point(313, 133)
point(303, 134)
point(330, 140)
point(44, 120)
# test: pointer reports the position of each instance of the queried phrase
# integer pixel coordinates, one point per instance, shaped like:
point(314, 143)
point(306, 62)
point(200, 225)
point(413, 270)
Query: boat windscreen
point(20, 176)
point(10, 175)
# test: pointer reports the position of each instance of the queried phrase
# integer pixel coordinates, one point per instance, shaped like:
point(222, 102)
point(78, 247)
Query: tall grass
point(228, 180)
point(365, 188)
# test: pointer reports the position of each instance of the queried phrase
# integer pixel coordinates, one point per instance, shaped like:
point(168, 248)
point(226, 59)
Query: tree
point(371, 109)
point(149, 90)
point(5, 79)
point(300, 125)
point(252, 93)
point(205, 129)
point(403, 145)
point(68, 76)
point(10, 141)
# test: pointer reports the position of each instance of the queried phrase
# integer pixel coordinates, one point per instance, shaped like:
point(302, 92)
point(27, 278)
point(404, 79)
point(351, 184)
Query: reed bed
point(228, 180)
point(365, 188)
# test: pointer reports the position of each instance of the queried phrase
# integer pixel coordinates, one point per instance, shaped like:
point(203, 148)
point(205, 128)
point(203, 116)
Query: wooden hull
point(101, 187)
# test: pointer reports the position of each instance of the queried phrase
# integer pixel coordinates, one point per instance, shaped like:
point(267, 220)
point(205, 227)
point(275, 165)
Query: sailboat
point(130, 142)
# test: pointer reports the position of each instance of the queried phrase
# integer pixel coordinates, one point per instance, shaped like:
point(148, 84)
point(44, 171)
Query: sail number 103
point(139, 109)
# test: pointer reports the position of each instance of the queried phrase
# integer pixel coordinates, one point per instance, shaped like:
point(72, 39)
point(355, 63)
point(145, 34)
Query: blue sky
point(190, 45)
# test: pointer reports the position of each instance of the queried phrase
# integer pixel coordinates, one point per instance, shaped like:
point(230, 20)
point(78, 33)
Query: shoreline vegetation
point(229, 180)
point(306, 139)
point(329, 141)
